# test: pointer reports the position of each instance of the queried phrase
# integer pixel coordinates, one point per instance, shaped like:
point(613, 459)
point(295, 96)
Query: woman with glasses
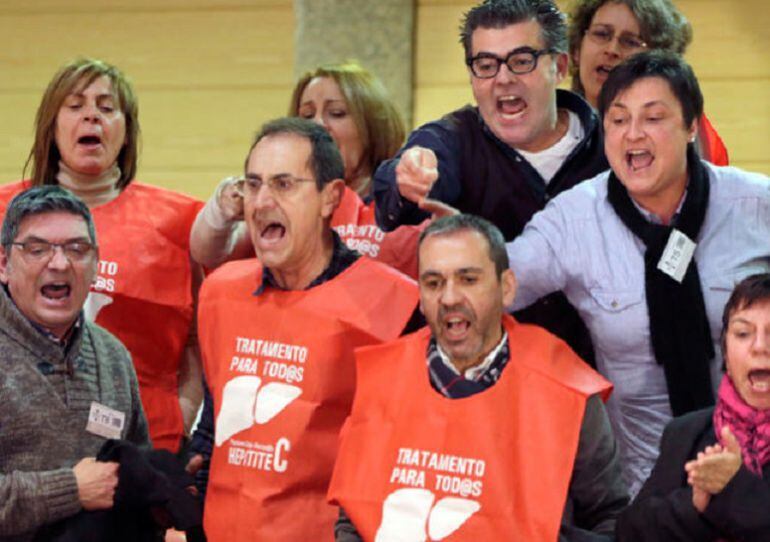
point(353, 106)
point(603, 33)
point(86, 140)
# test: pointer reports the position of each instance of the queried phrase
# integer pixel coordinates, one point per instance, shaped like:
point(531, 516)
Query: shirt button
point(614, 304)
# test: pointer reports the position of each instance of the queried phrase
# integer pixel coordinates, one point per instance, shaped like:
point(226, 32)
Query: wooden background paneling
point(209, 72)
point(729, 54)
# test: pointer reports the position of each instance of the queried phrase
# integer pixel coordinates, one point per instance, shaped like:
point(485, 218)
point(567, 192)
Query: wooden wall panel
point(729, 53)
point(730, 38)
point(207, 73)
point(70, 6)
point(168, 49)
point(740, 111)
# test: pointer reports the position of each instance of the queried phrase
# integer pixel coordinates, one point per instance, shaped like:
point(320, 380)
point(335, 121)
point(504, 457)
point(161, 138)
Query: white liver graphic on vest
point(406, 511)
point(95, 302)
point(244, 403)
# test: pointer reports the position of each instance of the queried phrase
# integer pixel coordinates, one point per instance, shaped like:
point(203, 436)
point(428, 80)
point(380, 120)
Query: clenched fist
point(416, 172)
point(96, 483)
point(230, 199)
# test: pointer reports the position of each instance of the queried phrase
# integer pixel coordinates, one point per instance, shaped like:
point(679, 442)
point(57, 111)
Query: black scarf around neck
point(679, 327)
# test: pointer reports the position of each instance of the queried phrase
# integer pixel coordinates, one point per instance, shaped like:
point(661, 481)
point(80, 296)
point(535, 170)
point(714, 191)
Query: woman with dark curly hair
point(603, 33)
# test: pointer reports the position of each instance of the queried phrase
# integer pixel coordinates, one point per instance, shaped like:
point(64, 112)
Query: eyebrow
point(430, 273)
point(461, 271)
point(520, 49)
point(329, 100)
point(275, 176)
point(80, 94)
point(644, 106)
point(739, 320)
point(36, 239)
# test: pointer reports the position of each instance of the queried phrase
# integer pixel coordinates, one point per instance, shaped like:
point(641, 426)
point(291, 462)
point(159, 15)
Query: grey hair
point(490, 232)
point(39, 200)
point(502, 13)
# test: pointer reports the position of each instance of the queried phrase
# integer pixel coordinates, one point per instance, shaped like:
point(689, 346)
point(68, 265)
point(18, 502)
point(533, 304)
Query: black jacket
point(151, 496)
point(481, 175)
point(663, 510)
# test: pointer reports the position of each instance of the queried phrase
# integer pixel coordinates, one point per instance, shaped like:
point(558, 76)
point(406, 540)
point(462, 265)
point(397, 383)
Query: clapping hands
point(713, 468)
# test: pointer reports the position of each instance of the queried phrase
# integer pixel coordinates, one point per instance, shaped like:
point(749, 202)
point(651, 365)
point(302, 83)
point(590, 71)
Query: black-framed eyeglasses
point(278, 184)
point(39, 251)
point(628, 42)
point(519, 61)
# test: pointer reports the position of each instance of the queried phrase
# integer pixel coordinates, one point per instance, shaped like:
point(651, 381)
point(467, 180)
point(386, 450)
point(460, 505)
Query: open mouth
point(274, 231)
point(637, 160)
point(760, 380)
point(56, 291)
point(604, 70)
point(510, 106)
point(456, 327)
point(90, 140)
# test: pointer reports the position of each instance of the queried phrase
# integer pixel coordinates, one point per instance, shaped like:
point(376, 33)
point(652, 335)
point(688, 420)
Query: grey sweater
point(46, 392)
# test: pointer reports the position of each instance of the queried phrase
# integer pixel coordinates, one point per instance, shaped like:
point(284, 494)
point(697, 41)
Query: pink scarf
point(750, 426)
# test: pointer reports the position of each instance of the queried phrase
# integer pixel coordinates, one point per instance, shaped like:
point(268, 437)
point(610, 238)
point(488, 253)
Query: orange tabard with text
point(143, 293)
point(281, 371)
point(355, 223)
point(414, 465)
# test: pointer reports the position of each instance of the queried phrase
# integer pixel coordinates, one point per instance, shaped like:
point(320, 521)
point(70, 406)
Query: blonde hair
point(379, 124)
point(44, 155)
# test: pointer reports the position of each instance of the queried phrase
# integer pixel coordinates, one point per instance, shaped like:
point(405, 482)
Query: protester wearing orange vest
point(87, 141)
point(277, 336)
point(502, 436)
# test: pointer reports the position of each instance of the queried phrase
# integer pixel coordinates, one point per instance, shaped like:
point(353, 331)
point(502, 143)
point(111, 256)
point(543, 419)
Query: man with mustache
point(277, 335)
point(66, 384)
point(487, 426)
point(503, 159)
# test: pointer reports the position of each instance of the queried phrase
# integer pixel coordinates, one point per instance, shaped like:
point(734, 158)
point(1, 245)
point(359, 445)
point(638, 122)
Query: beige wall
point(209, 72)
point(729, 54)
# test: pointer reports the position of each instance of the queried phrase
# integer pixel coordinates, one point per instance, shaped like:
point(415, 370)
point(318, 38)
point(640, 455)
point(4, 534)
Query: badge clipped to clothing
point(105, 421)
point(677, 255)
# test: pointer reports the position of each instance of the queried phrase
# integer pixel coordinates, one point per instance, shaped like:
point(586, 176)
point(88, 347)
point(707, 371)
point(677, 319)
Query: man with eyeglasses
point(66, 384)
point(522, 144)
point(277, 336)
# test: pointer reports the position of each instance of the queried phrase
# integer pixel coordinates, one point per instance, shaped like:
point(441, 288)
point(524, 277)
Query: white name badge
point(105, 421)
point(677, 255)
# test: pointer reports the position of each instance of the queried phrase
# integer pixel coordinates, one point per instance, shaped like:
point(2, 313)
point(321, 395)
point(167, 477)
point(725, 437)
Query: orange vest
point(355, 223)
point(143, 293)
point(281, 371)
point(414, 465)
point(713, 147)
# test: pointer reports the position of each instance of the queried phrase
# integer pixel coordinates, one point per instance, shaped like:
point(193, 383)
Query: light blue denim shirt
point(578, 244)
